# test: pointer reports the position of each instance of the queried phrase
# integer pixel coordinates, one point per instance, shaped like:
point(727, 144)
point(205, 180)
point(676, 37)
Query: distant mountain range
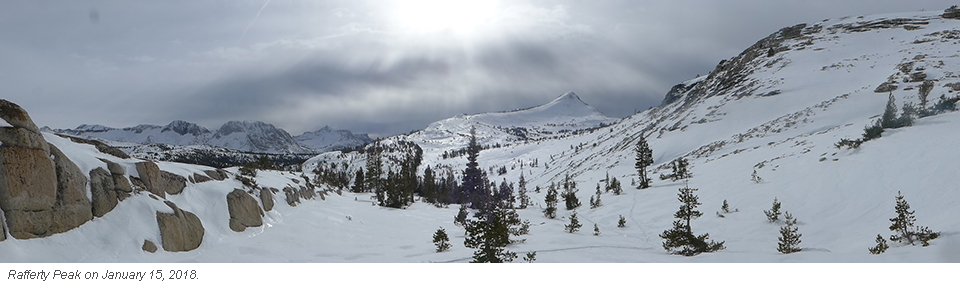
point(245, 136)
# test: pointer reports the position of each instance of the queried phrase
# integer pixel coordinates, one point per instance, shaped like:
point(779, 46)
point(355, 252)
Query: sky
point(379, 67)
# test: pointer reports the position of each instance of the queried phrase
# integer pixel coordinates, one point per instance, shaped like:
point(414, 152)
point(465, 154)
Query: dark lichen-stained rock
point(104, 192)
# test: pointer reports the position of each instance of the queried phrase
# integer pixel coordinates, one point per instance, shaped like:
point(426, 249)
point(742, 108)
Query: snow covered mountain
point(328, 139)
point(246, 136)
point(775, 111)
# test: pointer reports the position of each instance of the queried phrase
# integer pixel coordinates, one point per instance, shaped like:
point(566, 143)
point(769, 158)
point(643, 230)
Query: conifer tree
point(570, 194)
point(522, 192)
point(773, 214)
point(490, 233)
point(622, 223)
point(429, 190)
point(595, 201)
point(644, 159)
point(904, 228)
point(551, 200)
point(441, 240)
point(680, 239)
point(461, 218)
point(374, 169)
point(358, 182)
point(889, 118)
point(880, 247)
point(530, 257)
point(596, 230)
point(726, 207)
point(574, 225)
point(789, 237)
point(617, 189)
point(755, 177)
point(474, 179)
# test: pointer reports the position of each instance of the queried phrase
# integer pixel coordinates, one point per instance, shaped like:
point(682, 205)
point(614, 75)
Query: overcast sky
point(380, 67)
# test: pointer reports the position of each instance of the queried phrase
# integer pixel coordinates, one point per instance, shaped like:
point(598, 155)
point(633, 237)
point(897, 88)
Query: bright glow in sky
point(461, 17)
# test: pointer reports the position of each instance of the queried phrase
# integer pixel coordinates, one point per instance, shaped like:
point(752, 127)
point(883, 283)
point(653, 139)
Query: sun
point(461, 17)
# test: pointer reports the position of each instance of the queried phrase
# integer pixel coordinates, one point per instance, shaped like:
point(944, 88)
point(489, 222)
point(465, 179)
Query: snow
point(842, 198)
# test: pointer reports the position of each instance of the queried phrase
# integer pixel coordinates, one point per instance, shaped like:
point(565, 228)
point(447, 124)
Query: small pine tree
point(725, 208)
point(461, 218)
point(681, 169)
point(596, 230)
point(530, 257)
point(574, 225)
point(570, 194)
point(889, 118)
point(522, 192)
point(358, 182)
point(789, 237)
point(904, 228)
point(551, 200)
point(880, 247)
point(617, 189)
point(644, 159)
point(755, 177)
point(596, 202)
point(907, 115)
point(773, 214)
point(622, 223)
point(680, 239)
point(441, 240)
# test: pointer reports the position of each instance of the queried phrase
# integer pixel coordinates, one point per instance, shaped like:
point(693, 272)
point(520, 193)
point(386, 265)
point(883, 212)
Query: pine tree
point(574, 225)
point(358, 182)
point(595, 202)
point(551, 200)
point(441, 240)
point(755, 177)
point(907, 115)
point(474, 179)
point(789, 237)
point(725, 208)
point(644, 159)
point(522, 192)
point(374, 169)
point(880, 247)
point(889, 118)
point(490, 233)
point(904, 228)
point(596, 230)
point(622, 223)
point(461, 218)
point(680, 240)
point(429, 191)
point(530, 257)
point(773, 214)
point(617, 189)
point(570, 194)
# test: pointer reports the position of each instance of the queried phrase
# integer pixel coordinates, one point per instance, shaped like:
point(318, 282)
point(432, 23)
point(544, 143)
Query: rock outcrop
point(171, 183)
point(292, 196)
point(150, 176)
point(244, 211)
point(217, 174)
point(149, 246)
point(104, 192)
point(266, 198)
point(42, 192)
point(180, 231)
point(198, 178)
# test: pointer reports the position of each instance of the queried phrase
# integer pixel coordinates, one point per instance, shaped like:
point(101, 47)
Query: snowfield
point(824, 86)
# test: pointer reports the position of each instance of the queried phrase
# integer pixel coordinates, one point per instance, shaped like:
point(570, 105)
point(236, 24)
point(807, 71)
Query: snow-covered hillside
point(777, 109)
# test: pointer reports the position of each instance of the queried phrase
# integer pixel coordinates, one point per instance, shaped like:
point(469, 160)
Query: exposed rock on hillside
point(180, 231)
point(244, 211)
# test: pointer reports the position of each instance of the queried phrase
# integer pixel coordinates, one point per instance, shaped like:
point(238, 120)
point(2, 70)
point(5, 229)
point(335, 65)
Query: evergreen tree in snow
point(358, 182)
point(441, 240)
point(622, 223)
point(551, 200)
point(490, 233)
point(773, 214)
point(574, 225)
point(905, 231)
point(726, 207)
point(570, 193)
point(681, 169)
point(680, 239)
point(595, 201)
point(889, 118)
point(461, 218)
point(880, 247)
point(374, 169)
point(755, 177)
point(474, 179)
point(522, 192)
point(596, 230)
point(530, 257)
point(644, 159)
point(505, 194)
point(617, 189)
point(429, 186)
point(789, 237)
